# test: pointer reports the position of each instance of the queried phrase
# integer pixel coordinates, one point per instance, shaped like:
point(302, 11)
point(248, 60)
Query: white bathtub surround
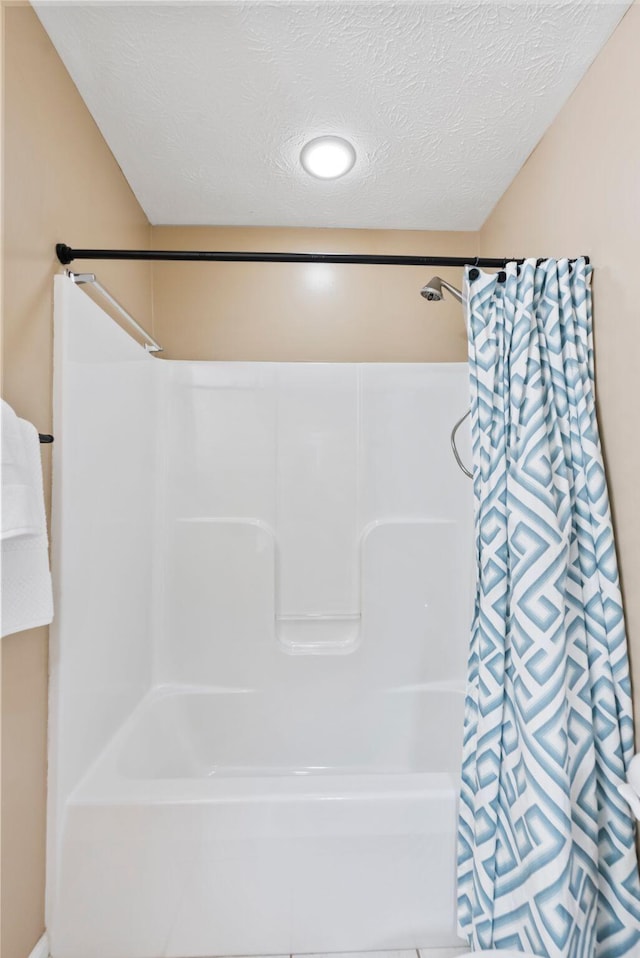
point(41, 948)
point(281, 738)
point(26, 579)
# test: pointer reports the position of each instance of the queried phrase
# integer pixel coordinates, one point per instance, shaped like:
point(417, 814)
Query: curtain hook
point(513, 259)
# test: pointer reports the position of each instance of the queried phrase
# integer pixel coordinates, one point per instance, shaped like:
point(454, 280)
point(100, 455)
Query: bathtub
point(222, 822)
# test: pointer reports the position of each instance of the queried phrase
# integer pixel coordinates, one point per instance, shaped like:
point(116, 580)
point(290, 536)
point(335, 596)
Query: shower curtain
point(547, 860)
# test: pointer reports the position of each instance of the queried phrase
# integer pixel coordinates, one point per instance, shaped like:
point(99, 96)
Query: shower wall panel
point(102, 536)
point(314, 524)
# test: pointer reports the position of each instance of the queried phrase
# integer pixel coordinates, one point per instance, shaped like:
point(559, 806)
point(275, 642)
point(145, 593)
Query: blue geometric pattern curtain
point(547, 860)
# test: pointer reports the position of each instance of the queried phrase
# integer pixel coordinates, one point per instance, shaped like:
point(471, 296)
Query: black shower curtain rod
point(66, 254)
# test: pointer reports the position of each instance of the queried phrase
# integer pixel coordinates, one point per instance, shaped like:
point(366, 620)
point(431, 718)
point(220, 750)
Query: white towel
point(26, 594)
point(630, 790)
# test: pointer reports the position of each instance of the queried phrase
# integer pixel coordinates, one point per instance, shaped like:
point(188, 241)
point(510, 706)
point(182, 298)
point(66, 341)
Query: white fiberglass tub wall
point(271, 764)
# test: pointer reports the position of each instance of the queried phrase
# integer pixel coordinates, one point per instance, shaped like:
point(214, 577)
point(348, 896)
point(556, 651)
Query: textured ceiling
point(206, 105)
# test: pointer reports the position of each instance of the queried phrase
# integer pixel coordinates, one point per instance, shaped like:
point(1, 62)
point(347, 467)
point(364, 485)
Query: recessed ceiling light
point(328, 157)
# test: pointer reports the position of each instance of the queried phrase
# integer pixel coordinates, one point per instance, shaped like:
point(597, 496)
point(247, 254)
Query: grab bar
point(455, 448)
point(80, 278)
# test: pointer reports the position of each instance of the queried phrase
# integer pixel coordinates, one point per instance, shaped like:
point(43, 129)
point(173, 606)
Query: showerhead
point(433, 290)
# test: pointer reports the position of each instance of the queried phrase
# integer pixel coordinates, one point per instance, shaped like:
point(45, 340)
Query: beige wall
point(579, 192)
point(313, 312)
point(60, 183)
